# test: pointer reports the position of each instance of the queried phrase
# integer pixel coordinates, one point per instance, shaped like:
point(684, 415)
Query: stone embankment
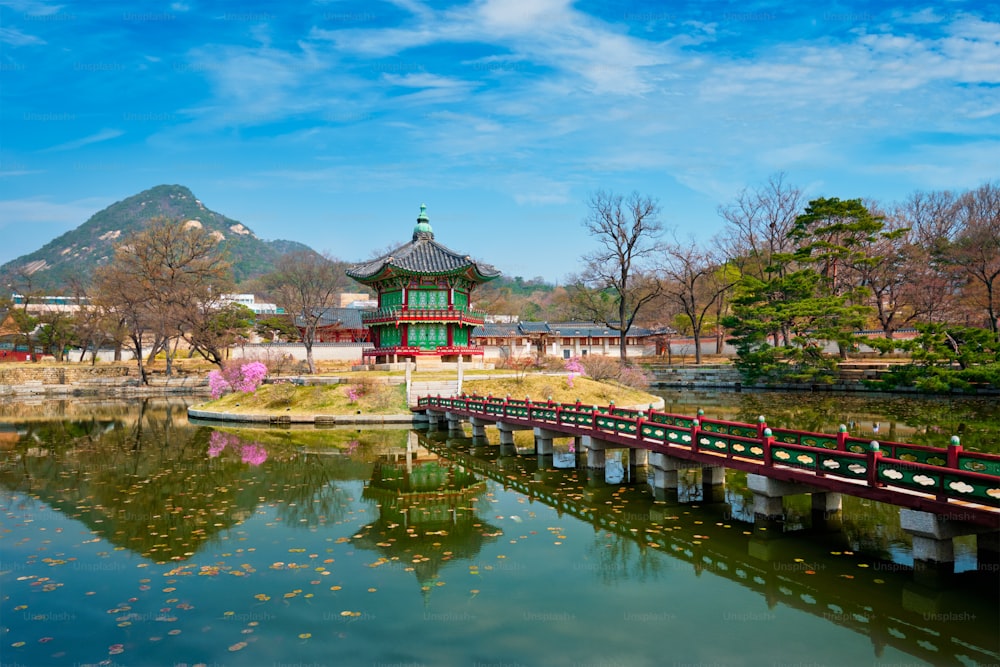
point(104, 380)
point(316, 420)
point(851, 376)
point(725, 376)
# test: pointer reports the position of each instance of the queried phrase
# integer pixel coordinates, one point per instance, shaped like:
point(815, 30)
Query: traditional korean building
point(424, 294)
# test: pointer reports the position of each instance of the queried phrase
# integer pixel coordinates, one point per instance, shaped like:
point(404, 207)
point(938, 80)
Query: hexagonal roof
point(422, 256)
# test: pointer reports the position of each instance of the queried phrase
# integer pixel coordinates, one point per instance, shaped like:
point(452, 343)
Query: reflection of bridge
point(943, 493)
point(921, 623)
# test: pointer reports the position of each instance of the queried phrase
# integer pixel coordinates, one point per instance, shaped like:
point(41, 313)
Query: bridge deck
point(961, 485)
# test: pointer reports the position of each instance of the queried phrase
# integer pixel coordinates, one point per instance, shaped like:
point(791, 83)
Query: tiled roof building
point(424, 295)
point(564, 339)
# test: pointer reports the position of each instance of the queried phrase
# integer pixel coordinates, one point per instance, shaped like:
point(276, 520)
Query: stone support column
point(713, 475)
point(665, 470)
point(506, 433)
point(543, 441)
point(478, 427)
point(595, 451)
point(638, 457)
point(454, 421)
point(827, 503)
point(933, 536)
point(768, 493)
point(595, 458)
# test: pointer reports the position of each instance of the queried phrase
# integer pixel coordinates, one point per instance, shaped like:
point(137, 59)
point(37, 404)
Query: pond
point(132, 537)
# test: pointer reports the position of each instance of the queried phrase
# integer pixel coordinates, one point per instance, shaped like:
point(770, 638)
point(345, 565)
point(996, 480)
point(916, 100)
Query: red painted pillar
point(766, 440)
point(954, 449)
point(874, 454)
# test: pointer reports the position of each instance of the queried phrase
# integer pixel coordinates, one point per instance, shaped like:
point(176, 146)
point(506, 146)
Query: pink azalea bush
point(253, 453)
point(575, 367)
point(242, 377)
point(218, 441)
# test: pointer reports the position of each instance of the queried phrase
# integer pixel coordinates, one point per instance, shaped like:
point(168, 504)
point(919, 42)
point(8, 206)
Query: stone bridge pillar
point(454, 421)
point(638, 457)
point(768, 494)
point(665, 470)
point(543, 441)
point(478, 427)
point(933, 536)
point(595, 451)
point(507, 433)
point(432, 418)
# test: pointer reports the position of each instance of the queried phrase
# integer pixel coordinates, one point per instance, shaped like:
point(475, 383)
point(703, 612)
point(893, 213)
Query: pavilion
point(424, 295)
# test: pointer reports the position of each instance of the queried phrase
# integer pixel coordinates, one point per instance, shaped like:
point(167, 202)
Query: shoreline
point(315, 419)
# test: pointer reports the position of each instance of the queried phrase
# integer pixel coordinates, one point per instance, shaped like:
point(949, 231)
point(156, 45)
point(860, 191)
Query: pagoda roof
point(422, 256)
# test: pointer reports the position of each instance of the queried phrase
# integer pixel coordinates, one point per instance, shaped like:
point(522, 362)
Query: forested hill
point(72, 257)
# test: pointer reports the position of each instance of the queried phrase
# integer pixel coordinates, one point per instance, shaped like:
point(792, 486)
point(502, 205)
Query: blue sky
point(330, 122)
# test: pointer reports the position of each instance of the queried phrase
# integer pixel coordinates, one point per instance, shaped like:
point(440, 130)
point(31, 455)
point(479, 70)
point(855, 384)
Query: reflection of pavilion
point(426, 512)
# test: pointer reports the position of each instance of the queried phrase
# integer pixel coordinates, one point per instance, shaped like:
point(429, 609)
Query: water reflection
point(164, 490)
point(406, 513)
point(807, 564)
point(427, 513)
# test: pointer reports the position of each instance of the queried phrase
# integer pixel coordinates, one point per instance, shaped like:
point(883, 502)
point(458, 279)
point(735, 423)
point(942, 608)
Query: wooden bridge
point(943, 493)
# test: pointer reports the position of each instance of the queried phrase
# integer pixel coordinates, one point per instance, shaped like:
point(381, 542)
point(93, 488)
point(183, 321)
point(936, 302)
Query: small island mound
point(374, 400)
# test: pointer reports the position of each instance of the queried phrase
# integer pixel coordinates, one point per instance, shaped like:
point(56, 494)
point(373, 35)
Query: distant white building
point(50, 304)
point(250, 301)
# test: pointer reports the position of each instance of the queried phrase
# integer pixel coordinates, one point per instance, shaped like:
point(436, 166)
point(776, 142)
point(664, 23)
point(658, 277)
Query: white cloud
point(924, 16)
point(547, 33)
point(103, 135)
point(41, 210)
point(15, 37)
point(422, 80)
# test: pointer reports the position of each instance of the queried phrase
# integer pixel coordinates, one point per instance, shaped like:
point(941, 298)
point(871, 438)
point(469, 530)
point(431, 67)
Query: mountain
point(75, 254)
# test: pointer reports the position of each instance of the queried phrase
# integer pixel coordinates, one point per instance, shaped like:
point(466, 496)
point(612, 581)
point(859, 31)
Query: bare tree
point(694, 282)
point(305, 285)
point(159, 278)
point(930, 284)
point(125, 307)
point(977, 249)
point(618, 280)
point(760, 221)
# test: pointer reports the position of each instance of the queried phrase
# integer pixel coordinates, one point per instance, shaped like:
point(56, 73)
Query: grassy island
point(369, 395)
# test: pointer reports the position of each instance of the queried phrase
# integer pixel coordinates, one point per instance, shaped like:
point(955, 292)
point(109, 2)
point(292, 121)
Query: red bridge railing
point(950, 474)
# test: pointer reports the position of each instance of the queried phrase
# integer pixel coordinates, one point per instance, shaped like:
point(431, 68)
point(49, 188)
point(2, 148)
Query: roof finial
point(423, 228)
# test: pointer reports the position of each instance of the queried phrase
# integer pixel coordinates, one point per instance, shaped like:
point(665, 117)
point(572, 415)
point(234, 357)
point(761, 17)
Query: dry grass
point(541, 387)
point(375, 397)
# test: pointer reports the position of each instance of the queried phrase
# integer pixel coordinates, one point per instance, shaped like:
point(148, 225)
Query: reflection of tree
point(149, 485)
point(925, 420)
point(620, 557)
point(310, 496)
